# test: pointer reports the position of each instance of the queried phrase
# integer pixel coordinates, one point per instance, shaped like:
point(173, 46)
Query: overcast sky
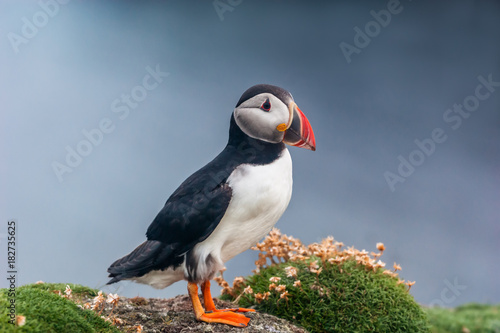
point(108, 106)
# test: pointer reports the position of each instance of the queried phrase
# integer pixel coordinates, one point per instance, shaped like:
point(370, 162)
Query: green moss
point(76, 289)
point(342, 298)
point(477, 318)
point(46, 311)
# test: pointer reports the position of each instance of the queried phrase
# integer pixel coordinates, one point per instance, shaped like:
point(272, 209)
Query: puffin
point(225, 207)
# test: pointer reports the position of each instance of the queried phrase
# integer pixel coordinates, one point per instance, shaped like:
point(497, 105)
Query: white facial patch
point(260, 124)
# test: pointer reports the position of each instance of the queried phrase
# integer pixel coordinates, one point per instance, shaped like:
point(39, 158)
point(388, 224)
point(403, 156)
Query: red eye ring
point(266, 106)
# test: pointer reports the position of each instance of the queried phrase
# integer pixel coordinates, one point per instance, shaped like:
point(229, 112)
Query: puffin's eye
point(266, 106)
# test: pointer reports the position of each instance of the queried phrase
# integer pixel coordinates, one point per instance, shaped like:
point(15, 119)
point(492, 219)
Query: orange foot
point(229, 318)
point(213, 315)
point(209, 302)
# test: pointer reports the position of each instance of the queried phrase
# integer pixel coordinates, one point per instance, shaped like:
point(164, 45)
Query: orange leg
point(229, 318)
point(209, 302)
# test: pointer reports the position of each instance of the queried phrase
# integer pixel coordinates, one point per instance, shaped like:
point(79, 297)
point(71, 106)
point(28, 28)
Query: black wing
point(195, 209)
point(189, 216)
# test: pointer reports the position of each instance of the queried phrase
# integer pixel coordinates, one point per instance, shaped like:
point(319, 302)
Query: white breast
point(260, 196)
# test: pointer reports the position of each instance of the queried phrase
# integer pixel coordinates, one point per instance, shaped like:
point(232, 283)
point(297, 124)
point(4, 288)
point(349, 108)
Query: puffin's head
point(268, 113)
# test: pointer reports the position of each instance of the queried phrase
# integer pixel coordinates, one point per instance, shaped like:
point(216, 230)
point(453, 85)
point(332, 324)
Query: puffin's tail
point(146, 257)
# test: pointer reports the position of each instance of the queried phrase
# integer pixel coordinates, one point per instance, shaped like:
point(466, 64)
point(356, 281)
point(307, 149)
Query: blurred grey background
point(372, 77)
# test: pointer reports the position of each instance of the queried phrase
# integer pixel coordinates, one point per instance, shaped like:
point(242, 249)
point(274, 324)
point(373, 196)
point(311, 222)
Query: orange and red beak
point(299, 132)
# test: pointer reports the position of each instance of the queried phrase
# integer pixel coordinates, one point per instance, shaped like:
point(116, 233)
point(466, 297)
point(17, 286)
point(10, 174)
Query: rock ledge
point(175, 315)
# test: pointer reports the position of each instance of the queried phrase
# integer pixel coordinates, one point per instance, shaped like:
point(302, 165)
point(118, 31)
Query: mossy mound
point(473, 318)
point(325, 288)
point(339, 299)
point(46, 311)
